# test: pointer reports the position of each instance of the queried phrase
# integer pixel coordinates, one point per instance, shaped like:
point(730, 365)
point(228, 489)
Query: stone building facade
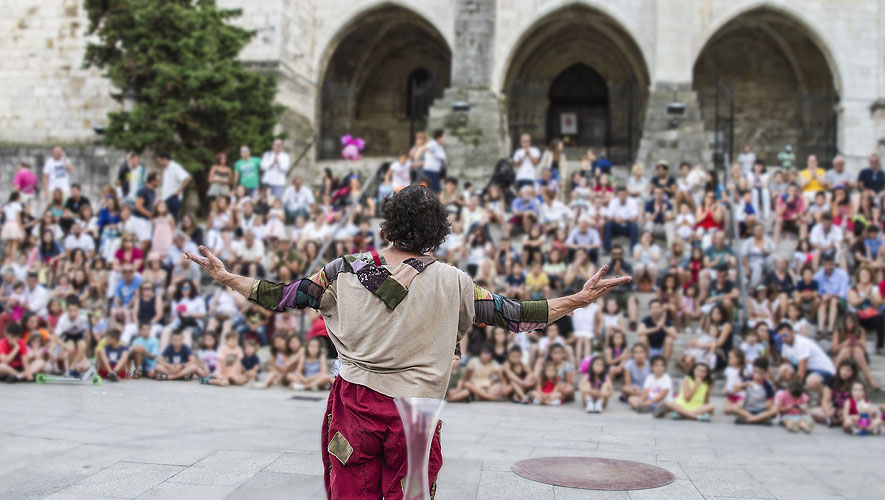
point(641, 79)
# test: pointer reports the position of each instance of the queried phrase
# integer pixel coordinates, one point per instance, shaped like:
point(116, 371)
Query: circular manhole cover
point(593, 473)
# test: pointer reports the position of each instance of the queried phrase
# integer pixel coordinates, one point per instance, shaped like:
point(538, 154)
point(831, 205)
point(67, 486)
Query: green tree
point(193, 97)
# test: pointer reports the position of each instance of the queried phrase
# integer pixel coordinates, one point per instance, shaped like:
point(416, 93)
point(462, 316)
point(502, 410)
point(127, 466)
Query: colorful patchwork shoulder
point(514, 315)
point(307, 292)
point(391, 288)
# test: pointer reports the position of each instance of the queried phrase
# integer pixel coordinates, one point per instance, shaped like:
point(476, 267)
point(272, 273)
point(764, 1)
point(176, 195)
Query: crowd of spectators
point(103, 283)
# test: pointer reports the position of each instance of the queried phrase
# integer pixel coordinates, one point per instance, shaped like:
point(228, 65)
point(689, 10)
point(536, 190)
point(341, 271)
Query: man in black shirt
point(72, 208)
point(870, 182)
point(664, 181)
point(657, 332)
point(146, 197)
point(723, 291)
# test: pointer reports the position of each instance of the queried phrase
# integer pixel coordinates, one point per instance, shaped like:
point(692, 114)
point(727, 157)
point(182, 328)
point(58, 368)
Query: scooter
point(90, 376)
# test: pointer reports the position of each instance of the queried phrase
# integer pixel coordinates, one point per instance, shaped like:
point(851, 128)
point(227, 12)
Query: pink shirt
point(228, 360)
point(788, 403)
point(25, 180)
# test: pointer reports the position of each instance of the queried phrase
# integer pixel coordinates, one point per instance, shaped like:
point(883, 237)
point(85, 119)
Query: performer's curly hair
point(415, 220)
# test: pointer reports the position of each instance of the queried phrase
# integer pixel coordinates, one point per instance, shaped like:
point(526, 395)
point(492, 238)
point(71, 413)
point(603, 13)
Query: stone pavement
point(168, 440)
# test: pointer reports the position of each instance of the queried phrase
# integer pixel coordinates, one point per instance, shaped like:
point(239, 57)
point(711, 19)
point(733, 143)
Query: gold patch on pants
point(340, 448)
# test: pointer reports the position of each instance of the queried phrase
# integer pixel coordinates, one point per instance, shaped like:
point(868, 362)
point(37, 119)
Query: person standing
point(525, 160)
point(389, 342)
point(57, 173)
point(747, 158)
point(274, 165)
point(247, 171)
point(435, 161)
point(130, 178)
point(175, 180)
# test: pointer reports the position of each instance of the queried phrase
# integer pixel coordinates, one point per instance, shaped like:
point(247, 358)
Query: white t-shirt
point(191, 306)
point(819, 237)
point(274, 168)
point(173, 177)
point(525, 169)
point(11, 211)
point(402, 174)
point(77, 326)
point(255, 252)
point(293, 199)
point(627, 210)
point(805, 348)
point(584, 320)
point(57, 171)
point(83, 242)
point(656, 386)
point(434, 157)
point(746, 160)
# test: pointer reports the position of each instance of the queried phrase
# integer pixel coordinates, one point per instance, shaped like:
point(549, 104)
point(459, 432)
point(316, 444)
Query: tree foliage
point(193, 97)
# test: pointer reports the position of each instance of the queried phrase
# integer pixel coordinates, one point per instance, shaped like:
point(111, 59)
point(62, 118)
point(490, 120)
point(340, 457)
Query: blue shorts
point(826, 376)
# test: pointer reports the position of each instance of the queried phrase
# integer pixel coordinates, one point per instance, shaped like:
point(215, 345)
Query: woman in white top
point(760, 309)
point(586, 321)
point(647, 257)
point(220, 218)
point(637, 184)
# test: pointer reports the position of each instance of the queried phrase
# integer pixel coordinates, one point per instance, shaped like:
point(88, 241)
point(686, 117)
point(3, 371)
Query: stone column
point(470, 112)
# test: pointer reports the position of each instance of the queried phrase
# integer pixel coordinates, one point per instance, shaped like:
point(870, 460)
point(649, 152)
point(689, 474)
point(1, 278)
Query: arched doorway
point(578, 62)
point(385, 71)
point(578, 110)
point(762, 79)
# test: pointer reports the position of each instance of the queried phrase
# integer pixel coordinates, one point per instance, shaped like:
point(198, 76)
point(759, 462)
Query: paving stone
point(124, 479)
point(186, 491)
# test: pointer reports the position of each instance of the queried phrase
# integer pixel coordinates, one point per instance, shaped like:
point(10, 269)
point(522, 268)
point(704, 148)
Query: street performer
point(395, 317)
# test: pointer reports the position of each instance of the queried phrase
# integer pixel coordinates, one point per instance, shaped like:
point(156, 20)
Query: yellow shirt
point(813, 185)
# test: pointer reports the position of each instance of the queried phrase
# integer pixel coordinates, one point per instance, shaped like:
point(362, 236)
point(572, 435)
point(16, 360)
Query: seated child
point(758, 404)
point(38, 358)
point(792, 406)
point(280, 363)
point(753, 348)
point(251, 363)
point(518, 375)
point(71, 330)
point(657, 389)
point(113, 359)
point(456, 390)
point(483, 377)
point(207, 356)
point(616, 354)
point(858, 415)
point(229, 368)
point(312, 372)
point(144, 352)
point(565, 370)
point(596, 387)
point(693, 401)
point(177, 361)
point(545, 392)
point(734, 381)
point(636, 369)
point(13, 355)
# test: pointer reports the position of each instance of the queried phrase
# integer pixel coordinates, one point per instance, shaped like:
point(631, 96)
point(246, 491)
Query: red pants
point(104, 373)
point(364, 445)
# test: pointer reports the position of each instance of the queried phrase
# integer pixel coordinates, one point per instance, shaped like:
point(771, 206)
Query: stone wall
point(95, 166)
point(46, 96)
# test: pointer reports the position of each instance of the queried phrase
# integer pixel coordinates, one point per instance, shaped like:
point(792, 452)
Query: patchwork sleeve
point(514, 315)
point(301, 293)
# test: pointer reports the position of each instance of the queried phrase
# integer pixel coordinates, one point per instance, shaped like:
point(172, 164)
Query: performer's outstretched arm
point(526, 315)
point(301, 293)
